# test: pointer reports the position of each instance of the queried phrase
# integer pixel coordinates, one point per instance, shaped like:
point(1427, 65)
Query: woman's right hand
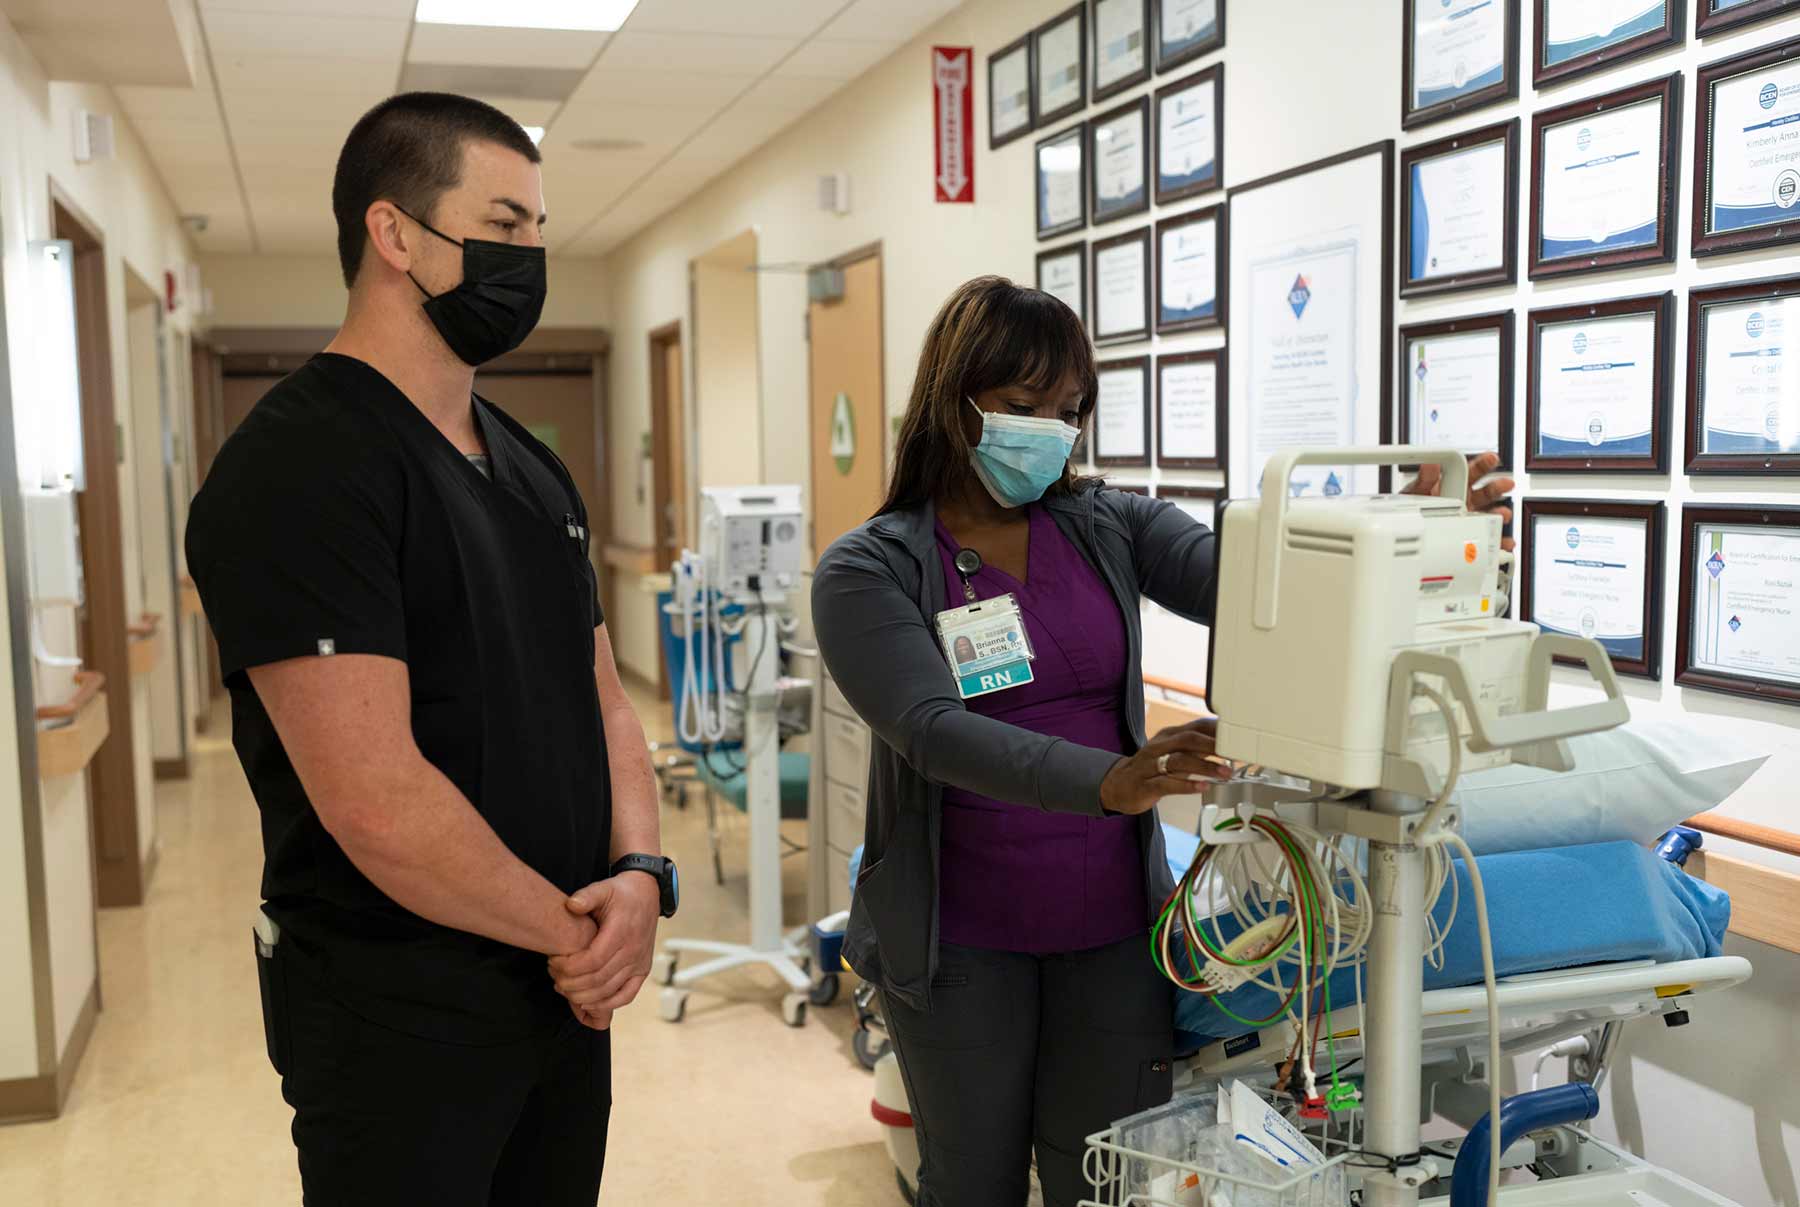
point(1175, 762)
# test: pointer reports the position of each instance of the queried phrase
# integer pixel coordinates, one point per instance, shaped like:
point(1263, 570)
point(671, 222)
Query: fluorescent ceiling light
point(602, 15)
point(536, 134)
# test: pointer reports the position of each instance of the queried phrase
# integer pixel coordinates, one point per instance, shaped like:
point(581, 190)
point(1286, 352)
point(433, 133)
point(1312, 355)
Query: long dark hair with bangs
point(990, 333)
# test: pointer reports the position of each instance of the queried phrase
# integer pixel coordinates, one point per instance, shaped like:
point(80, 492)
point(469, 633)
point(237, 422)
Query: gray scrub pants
point(1022, 1051)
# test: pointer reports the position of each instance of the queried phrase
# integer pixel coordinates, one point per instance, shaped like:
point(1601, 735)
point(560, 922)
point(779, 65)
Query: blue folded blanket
point(1559, 908)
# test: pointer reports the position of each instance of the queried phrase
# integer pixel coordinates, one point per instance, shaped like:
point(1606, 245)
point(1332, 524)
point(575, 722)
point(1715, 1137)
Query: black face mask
point(498, 302)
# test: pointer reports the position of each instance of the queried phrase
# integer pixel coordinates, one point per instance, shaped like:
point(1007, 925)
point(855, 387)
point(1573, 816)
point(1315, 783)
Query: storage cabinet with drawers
point(840, 779)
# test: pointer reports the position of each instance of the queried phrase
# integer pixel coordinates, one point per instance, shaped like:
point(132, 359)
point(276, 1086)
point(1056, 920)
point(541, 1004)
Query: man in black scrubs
point(462, 863)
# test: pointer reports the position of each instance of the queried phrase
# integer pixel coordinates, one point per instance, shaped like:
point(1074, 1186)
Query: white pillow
point(1629, 783)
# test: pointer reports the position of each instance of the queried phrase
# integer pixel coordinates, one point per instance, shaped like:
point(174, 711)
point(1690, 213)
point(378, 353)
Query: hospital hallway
point(175, 1102)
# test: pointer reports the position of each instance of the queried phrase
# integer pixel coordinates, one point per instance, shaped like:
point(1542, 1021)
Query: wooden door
point(668, 445)
point(848, 406)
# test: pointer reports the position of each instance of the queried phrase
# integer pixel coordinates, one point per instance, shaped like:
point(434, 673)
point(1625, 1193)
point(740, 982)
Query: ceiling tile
point(697, 52)
point(836, 58)
point(737, 133)
point(794, 17)
point(653, 125)
point(788, 95)
point(610, 84)
point(273, 72)
point(398, 10)
point(476, 79)
point(894, 19)
point(230, 32)
point(504, 47)
point(180, 132)
point(332, 110)
point(526, 113)
point(185, 104)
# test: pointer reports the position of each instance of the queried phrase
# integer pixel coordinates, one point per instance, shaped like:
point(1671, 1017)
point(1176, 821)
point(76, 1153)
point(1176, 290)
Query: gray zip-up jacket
point(874, 595)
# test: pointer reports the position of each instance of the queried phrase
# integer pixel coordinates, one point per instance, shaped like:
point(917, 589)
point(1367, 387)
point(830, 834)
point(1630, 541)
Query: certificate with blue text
point(1749, 172)
point(1459, 227)
point(1602, 181)
point(1589, 576)
point(1459, 53)
point(1744, 378)
point(1577, 36)
point(1121, 45)
point(1311, 288)
point(1187, 29)
point(1599, 386)
point(1745, 621)
point(1717, 16)
point(1189, 128)
point(1453, 391)
point(1188, 274)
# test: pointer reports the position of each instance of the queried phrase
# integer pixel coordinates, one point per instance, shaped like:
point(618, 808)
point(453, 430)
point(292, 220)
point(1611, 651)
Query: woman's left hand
point(1488, 497)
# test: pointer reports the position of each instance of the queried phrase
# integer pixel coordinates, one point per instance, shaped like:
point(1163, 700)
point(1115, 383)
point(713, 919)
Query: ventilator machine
point(1361, 663)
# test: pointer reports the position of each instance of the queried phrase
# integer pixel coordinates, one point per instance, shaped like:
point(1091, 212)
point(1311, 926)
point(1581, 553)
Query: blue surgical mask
point(1020, 456)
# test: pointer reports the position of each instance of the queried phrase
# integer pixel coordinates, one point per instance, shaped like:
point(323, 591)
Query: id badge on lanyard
point(986, 645)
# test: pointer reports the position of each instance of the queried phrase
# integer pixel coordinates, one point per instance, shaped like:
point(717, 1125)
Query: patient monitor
point(1338, 617)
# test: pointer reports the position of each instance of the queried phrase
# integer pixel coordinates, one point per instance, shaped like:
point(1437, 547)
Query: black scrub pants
point(383, 1118)
point(1029, 1051)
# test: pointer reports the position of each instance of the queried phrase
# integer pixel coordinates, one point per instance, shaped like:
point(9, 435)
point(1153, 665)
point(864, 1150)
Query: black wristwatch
point(662, 869)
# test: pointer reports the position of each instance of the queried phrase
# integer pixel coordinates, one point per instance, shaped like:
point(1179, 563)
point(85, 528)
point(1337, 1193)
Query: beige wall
point(125, 199)
point(308, 291)
point(727, 407)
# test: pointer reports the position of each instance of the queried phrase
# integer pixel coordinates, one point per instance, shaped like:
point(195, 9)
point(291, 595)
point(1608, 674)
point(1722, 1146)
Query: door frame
point(120, 875)
point(663, 457)
point(854, 256)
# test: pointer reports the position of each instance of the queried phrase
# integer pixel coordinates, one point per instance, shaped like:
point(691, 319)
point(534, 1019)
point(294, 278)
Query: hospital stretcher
point(1587, 939)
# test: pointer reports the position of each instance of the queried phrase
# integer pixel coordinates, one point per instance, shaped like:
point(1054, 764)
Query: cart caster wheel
point(824, 990)
point(793, 1009)
point(662, 969)
point(673, 1005)
point(869, 1050)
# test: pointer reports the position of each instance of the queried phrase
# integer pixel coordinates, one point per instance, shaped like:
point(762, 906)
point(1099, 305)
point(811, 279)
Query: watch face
point(674, 886)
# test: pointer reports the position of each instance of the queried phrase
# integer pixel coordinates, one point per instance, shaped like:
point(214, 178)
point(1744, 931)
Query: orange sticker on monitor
point(1470, 553)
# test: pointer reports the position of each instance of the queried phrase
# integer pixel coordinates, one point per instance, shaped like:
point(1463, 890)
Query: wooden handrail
point(146, 626)
point(1767, 837)
point(88, 684)
point(1175, 685)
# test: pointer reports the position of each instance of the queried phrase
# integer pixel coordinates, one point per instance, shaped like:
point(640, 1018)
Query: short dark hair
point(409, 150)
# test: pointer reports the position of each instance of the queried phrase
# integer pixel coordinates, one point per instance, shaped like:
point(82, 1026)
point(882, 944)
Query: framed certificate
point(1187, 29)
point(1603, 181)
point(1594, 569)
point(1122, 288)
point(1575, 37)
point(1062, 273)
point(1717, 16)
point(1119, 161)
point(1190, 136)
point(1190, 410)
point(1061, 190)
point(1747, 169)
point(1121, 45)
point(1459, 226)
point(1190, 271)
point(1457, 385)
point(1011, 113)
point(1311, 283)
point(1739, 626)
point(1599, 387)
point(1122, 413)
point(1201, 502)
point(1743, 387)
point(1458, 56)
point(1059, 65)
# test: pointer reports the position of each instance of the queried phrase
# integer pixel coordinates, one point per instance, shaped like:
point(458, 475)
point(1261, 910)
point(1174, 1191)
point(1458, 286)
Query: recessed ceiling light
point(535, 133)
point(601, 15)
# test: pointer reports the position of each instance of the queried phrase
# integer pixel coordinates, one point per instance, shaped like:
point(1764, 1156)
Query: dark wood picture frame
point(1754, 515)
point(1668, 90)
point(1507, 271)
point(1140, 106)
point(1079, 136)
point(1506, 90)
point(1707, 22)
point(1027, 46)
point(1140, 235)
point(1662, 307)
point(1095, 89)
point(1671, 33)
point(1101, 459)
point(1078, 249)
point(1078, 14)
point(1699, 461)
point(1706, 242)
point(1166, 61)
point(1501, 323)
point(1385, 330)
point(1221, 397)
point(1213, 77)
point(1652, 516)
point(1221, 270)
